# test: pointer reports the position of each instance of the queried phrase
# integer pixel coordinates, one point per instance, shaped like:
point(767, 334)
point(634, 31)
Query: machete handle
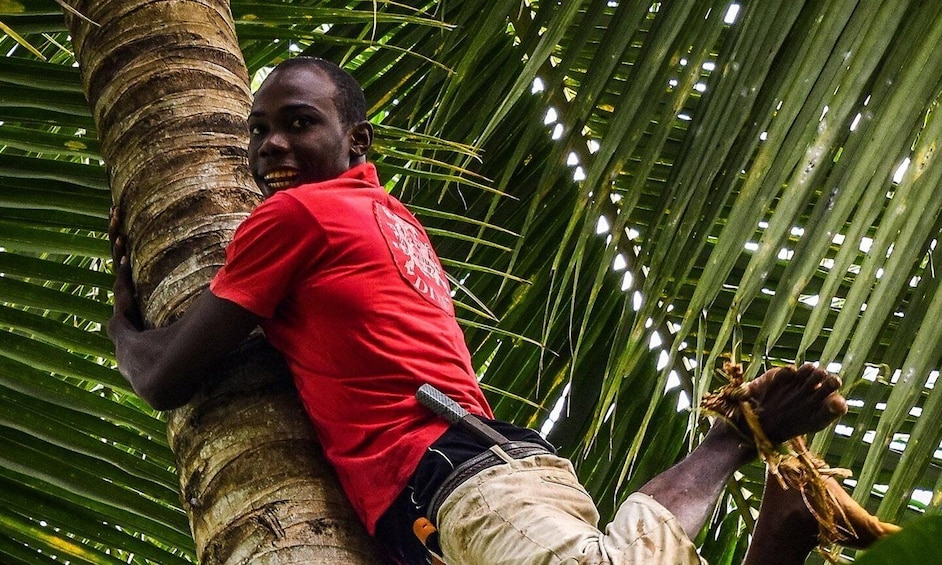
point(450, 411)
point(439, 403)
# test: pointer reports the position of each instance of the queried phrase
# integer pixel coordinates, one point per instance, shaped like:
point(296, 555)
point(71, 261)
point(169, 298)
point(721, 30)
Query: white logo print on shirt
point(414, 257)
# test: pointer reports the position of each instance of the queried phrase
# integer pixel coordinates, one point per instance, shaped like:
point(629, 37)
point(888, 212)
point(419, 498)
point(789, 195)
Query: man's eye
point(301, 123)
point(256, 130)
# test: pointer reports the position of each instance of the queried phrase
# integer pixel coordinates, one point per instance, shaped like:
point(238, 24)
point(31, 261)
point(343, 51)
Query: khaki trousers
point(533, 511)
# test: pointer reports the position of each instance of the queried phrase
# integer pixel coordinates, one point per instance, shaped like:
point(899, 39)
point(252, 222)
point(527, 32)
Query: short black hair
point(350, 100)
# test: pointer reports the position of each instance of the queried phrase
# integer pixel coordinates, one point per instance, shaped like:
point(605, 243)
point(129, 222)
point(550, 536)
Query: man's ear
point(361, 139)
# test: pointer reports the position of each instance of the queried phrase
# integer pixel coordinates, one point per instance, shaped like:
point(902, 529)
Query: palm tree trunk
point(169, 93)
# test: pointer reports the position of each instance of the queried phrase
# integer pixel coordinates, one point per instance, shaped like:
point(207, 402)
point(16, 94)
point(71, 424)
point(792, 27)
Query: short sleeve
point(271, 250)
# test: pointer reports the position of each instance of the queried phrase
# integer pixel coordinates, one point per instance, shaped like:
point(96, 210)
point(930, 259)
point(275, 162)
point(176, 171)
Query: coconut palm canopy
point(625, 194)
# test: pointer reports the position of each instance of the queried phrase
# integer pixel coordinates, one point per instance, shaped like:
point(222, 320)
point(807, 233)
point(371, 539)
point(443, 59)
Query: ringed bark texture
point(169, 93)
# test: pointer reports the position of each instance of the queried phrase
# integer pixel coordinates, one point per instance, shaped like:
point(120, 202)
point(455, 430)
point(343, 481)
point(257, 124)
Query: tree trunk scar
point(268, 519)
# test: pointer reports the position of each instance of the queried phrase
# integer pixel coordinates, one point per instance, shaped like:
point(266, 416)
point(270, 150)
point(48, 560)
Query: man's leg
point(690, 489)
point(789, 402)
point(533, 511)
point(786, 531)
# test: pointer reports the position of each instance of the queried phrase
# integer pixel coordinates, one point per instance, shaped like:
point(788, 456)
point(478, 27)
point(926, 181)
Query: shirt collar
point(364, 172)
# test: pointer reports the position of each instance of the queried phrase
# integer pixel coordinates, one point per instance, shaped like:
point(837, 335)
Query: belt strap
point(478, 463)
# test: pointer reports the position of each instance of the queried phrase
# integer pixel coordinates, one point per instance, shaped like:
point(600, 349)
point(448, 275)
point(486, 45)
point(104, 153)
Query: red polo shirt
point(352, 294)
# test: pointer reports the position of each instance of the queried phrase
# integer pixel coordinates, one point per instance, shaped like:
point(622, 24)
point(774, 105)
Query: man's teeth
point(280, 179)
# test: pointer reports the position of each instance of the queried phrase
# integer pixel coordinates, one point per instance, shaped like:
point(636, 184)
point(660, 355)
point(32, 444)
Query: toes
point(772, 379)
point(828, 384)
point(827, 394)
point(788, 373)
point(835, 405)
point(811, 377)
point(822, 388)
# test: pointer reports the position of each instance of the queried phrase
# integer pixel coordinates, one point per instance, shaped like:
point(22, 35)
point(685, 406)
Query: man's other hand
point(126, 309)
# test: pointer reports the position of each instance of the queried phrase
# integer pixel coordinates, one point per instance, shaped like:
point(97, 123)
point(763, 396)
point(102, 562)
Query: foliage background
point(767, 181)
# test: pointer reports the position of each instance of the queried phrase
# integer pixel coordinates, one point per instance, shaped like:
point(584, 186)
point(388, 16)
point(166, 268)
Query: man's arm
point(164, 365)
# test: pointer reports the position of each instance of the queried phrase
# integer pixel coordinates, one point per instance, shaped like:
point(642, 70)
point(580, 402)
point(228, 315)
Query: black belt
point(471, 467)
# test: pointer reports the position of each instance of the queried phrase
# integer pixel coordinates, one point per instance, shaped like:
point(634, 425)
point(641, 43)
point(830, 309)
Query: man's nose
point(274, 144)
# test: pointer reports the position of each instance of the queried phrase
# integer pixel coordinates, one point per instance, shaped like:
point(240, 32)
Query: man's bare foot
point(856, 527)
point(792, 402)
point(862, 528)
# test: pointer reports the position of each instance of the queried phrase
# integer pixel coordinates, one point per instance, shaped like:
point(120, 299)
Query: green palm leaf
point(744, 167)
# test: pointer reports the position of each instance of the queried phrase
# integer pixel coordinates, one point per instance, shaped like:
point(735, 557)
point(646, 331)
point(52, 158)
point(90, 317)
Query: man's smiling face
point(296, 132)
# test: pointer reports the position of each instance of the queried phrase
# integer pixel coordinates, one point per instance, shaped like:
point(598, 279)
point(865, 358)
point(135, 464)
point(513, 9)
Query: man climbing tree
point(344, 282)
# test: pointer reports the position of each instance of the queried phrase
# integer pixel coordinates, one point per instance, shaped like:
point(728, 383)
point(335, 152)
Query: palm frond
point(624, 193)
